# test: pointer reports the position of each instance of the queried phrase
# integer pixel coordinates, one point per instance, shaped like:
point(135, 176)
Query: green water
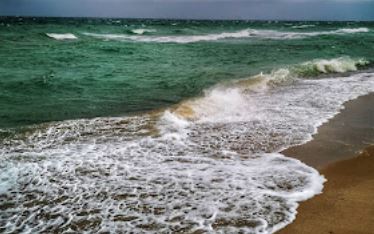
point(43, 79)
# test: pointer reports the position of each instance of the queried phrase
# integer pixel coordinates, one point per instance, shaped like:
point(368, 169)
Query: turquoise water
point(43, 79)
point(146, 126)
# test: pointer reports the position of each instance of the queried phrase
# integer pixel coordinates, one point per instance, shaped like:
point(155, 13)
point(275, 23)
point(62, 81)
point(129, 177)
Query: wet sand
point(343, 137)
point(343, 151)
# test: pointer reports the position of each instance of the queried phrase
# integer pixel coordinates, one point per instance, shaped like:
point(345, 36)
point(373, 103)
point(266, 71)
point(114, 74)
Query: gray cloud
point(196, 9)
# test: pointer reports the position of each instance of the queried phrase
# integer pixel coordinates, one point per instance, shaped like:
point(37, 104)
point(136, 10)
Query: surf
point(303, 26)
point(246, 33)
point(141, 31)
point(207, 164)
point(62, 36)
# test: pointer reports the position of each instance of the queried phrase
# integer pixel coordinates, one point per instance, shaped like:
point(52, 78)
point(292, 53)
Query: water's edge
point(341, 137)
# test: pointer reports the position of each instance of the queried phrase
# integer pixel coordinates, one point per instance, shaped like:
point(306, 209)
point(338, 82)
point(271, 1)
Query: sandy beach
point(341, 151)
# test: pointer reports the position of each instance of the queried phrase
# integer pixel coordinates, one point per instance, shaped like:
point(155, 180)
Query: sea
point(167, 126)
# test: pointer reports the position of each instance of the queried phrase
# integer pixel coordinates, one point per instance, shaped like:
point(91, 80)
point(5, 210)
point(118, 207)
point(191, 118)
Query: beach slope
point(347, 204)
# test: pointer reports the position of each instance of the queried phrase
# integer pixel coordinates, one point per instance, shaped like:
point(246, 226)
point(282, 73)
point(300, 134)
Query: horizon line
point(182, 19)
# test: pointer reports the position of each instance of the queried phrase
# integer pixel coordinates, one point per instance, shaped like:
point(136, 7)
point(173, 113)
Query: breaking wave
point(247, 33)
point(143, 31)
point(303, 26)
point(337, 65)
point(62, 36)
point(209, 164)
point(230, 97)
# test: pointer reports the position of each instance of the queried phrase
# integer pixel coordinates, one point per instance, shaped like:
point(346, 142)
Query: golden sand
point(347, 203)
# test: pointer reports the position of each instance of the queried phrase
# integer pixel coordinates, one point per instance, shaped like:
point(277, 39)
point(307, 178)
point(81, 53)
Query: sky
point(195, 9)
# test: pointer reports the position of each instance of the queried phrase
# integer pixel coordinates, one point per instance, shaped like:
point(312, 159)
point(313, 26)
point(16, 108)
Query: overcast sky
point(195, 9)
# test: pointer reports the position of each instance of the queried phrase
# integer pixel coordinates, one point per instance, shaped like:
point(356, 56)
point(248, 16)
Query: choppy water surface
point(190, 117)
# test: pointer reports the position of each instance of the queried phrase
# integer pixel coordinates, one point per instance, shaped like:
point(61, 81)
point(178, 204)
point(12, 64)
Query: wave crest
point(142, 31)
point(303, 26)
point(231, 97)
point(62, 36)
point(336, 65)
point(247, 33)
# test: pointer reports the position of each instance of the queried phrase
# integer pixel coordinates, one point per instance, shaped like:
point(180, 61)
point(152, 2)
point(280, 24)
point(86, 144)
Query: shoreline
point(342, 137)
point(342, 151)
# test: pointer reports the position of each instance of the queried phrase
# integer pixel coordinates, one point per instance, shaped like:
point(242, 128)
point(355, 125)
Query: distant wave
point(176, 39)
point(142, 31)
point(247, 33)
point(303, 26)
point(62, 36)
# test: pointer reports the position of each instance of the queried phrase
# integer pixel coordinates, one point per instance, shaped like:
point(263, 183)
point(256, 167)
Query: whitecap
point(337, 65)
point(247, 33)
point(303, 26)
point(62, 36)
point(143, 30)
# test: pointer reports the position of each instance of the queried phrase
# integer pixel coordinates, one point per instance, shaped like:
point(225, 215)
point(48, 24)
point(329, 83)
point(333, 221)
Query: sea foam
point(62, 36)
point(303, 26)
point(247, 33)
point(143, 30)
point(338, 65)
point(217, 170)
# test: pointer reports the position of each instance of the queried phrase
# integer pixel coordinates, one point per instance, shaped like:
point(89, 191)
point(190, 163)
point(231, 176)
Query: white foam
point(62, 36)
point(303, 26)
point(176, 39)
point(160, 173)
point(8, 177)
point(353, 30)
point(338, 65)
point(272, 34)
point(142, 31)
point(247, 33)
point(240, 102)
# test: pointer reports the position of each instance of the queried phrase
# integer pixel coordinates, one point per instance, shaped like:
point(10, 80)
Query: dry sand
point(347, 203)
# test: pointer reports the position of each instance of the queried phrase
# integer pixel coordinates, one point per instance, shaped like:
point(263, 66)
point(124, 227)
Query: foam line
point(247, 33)
point(62, 36)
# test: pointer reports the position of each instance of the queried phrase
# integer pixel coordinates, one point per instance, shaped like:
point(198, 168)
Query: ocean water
point(164, 126)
